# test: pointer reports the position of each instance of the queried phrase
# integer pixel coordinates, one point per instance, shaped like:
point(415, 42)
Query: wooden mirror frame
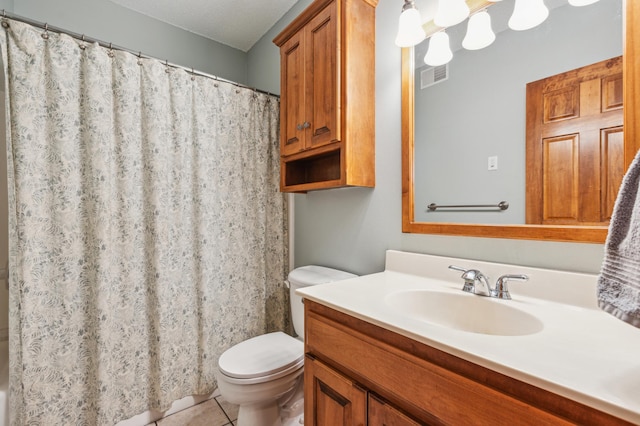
point(585, 234)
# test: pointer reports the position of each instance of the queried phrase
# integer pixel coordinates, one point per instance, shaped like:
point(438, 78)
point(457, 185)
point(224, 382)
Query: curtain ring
point(45, 34)
point(5, 23)
point(166, 64)
point(139, 58)
point(82, 45)
point(193, 75)
point(111, 53)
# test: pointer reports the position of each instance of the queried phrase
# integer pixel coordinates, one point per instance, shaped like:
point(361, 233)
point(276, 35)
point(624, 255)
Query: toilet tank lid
point(312, 275)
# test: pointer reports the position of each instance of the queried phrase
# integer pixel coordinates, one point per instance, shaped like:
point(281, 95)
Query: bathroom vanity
point(407, 346)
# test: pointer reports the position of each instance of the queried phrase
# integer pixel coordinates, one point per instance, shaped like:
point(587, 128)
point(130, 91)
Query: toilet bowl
point(263, 375)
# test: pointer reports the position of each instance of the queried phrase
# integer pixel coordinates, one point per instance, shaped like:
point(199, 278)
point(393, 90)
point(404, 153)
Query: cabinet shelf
point(311, 171)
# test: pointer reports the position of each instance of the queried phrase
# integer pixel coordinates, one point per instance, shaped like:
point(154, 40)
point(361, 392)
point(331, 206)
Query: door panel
point(322, 73)
point(574, 145)
point(292, 109)
point(383, 414)
point(330, 398)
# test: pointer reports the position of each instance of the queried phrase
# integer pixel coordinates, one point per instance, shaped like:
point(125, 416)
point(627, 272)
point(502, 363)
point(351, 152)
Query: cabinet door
point(330, 399)
point(292, 113)
point(321, 75)
point(383, 414)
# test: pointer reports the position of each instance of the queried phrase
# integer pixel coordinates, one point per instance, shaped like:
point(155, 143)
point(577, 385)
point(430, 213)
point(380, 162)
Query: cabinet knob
point(306, 125)
point(299, 127)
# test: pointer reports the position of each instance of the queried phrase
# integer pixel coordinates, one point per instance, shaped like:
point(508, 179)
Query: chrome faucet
point(501, 291)
point(477, 283)
point(474, 281)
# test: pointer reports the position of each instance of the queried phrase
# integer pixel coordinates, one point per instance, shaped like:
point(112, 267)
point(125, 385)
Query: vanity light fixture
point(439, 52)
point(410, 31)
point(451, 12)
point(479, 32)
point(581, 2)
point(528, 14)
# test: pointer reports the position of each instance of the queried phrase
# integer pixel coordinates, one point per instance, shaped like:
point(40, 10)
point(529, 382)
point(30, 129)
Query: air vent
point(433, 75)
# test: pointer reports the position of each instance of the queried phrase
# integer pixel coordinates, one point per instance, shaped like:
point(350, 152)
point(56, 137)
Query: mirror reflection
point(470, 115)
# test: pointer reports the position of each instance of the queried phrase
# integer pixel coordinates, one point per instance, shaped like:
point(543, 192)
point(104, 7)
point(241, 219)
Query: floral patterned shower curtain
point(147, 233)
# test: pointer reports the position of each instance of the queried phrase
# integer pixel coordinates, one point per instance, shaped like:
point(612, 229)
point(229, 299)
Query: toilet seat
point(262, 358)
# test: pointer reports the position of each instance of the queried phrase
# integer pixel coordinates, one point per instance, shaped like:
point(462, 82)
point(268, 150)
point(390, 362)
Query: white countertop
point(581, 352)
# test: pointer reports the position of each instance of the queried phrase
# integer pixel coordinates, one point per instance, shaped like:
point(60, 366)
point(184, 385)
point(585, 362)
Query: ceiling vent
point(433, 75)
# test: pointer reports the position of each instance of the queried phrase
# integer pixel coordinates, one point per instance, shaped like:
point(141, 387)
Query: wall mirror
point(482, 111)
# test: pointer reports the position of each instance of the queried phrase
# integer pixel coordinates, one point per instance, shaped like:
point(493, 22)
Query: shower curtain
point(147, 233)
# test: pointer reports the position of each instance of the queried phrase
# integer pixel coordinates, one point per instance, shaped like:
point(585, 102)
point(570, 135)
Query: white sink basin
point(465, 312)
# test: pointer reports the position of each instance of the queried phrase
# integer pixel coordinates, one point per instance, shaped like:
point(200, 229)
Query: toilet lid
point(263, 355)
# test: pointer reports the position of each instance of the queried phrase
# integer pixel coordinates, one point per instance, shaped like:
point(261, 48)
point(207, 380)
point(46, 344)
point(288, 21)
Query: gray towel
point(619, 280)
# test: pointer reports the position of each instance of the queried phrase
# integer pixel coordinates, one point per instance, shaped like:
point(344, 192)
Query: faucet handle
point(501, 291)
point(471, 277)
point(457, 268)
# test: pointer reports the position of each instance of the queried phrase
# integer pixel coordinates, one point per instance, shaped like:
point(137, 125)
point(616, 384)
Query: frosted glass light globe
point(528, 14)
point(479, 33)
point(581, 2)
point(410, 31)
point(439, 52)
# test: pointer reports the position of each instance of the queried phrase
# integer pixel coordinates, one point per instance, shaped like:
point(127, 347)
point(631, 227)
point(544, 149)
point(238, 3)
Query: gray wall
point(109, 22)
point(351, 228)
point(480, 110)
point(346, 228)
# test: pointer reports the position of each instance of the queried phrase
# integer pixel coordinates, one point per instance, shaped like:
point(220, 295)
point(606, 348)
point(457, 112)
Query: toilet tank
point(305, 276)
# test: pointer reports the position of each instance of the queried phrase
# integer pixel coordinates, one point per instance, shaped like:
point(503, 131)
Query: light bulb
point(528, 14)
point(410, 31)
point(439, 52)
point(581, 2)
point(479, 32)
point(451, 12)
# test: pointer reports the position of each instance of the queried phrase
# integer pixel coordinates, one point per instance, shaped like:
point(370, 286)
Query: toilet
point(263, 375)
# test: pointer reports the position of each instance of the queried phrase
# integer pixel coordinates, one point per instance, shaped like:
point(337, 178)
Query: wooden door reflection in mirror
point(575, 145)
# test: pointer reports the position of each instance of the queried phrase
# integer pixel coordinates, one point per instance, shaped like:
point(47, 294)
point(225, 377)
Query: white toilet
point(263, 375)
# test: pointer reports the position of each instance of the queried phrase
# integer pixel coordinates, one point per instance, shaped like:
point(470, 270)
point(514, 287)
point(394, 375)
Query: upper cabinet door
point(323, 92)
point(292, 114)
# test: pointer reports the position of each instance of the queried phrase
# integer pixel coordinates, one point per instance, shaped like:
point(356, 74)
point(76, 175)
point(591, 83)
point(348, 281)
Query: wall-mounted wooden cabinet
point(327, 108)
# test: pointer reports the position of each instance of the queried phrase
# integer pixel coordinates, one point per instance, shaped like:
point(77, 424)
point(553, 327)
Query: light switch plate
point(493, 163)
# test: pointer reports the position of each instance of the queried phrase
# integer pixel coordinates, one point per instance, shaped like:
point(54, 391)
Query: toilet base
point(266, 403)
point(267, 414)
point(292, 406)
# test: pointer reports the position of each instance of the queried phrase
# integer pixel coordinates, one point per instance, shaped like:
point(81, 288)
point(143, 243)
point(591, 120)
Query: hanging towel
point(619, 280)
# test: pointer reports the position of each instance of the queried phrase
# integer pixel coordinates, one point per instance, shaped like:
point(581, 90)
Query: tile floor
point(212, 412)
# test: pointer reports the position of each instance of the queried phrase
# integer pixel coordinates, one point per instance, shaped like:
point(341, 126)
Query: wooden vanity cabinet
point(357, 373)
point(338, 400)
point(327, 107)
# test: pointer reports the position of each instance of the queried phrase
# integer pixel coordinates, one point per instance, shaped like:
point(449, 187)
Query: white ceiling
point(236, 23)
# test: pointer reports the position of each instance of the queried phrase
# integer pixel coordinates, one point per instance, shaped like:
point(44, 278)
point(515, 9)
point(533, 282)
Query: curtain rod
point(47, 27)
